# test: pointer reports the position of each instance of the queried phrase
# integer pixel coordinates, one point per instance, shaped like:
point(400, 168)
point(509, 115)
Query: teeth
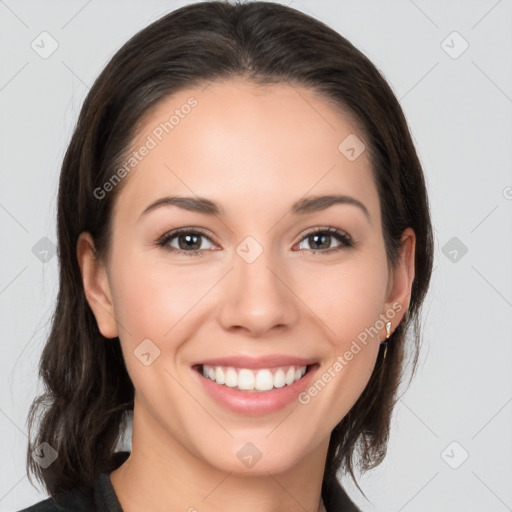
point(219, 376)
point(254, 380)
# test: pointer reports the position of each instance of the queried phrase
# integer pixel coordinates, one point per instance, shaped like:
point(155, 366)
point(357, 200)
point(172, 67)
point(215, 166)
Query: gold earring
point(385, 342)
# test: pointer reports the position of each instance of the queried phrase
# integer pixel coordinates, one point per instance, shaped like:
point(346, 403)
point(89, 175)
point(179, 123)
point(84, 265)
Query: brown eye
point(188, 242)
point(320, 240)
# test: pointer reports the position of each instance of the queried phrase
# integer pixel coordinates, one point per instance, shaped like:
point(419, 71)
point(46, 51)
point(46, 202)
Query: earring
point(385, 342)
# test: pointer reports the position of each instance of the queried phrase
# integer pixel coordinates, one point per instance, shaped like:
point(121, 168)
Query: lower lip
point(256, 403)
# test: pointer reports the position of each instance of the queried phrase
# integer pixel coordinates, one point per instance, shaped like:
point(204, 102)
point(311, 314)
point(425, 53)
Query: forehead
point(246, 146)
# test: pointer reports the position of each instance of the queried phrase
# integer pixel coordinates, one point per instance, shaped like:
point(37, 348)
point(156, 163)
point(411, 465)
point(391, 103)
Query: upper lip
point(268, 361)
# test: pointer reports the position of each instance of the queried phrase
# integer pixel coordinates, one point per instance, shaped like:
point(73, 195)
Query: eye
point(189, 241)
point(323, 237)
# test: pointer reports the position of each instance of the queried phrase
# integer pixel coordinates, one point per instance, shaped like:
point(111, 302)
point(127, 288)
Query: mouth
point(251, 386)
point(254, 380)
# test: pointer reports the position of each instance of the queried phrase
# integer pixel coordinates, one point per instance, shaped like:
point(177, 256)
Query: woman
point(244, 242)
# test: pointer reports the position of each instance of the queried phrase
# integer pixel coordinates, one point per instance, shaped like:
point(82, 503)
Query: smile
point(257, 391)
point(260, 380)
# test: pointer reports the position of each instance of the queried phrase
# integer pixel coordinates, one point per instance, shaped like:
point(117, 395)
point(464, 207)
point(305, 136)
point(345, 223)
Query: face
point(274, 280)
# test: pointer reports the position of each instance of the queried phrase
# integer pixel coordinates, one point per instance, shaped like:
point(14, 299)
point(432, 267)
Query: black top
point(102, 497)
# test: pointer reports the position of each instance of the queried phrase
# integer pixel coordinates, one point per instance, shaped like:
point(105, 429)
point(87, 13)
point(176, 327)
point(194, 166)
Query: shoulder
point(99, 497)
point(70, 501)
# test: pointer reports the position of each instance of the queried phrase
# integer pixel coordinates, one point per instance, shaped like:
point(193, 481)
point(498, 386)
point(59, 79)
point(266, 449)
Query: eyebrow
point(304, 206)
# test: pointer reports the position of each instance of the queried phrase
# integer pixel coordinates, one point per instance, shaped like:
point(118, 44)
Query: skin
point(256, 150)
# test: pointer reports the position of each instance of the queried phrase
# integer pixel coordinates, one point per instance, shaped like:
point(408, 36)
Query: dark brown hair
point(87, 388)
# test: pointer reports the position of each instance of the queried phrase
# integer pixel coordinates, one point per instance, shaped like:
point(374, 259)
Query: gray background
point(459, 107)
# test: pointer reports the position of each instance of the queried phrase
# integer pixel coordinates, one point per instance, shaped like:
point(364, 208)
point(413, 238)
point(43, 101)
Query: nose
point(257, 297)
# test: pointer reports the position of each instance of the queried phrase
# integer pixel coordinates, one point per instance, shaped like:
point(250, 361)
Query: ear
point(96, 286)
point(398, 295)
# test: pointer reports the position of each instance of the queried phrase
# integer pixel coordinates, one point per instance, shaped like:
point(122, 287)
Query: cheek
point(152, 297)
point(352, 318)
point(348, 298)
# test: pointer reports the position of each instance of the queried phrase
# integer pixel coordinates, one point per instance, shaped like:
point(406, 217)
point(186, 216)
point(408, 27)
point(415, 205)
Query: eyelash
point(340, 236)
